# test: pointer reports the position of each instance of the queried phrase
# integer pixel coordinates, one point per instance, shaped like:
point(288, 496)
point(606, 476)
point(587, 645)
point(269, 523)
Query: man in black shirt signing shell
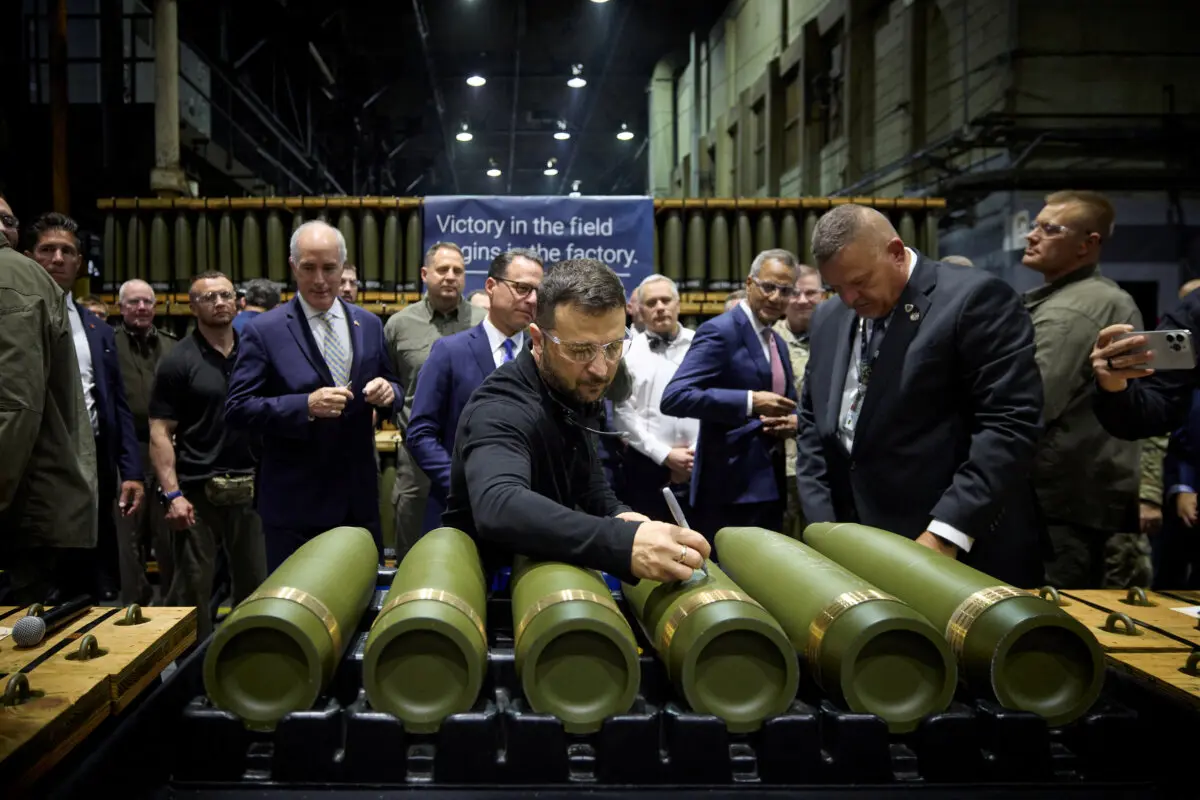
point(525, 477)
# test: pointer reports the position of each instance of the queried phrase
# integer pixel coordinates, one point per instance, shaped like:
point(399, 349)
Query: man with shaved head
point(140, 346)
point(921, 403)
point(307, 377)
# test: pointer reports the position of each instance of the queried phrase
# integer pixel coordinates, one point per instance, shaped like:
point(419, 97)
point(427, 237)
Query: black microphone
point(31, 630)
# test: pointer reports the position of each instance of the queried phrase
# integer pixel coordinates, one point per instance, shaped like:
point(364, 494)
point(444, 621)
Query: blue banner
point(616, 230)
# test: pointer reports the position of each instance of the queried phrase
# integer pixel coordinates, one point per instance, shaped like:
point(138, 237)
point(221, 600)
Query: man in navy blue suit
point(737, 380)
point(55, 242)
point(307, 376)
point(458, 364)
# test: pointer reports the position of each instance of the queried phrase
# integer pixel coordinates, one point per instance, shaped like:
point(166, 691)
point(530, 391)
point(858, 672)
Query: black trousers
point(643, 489)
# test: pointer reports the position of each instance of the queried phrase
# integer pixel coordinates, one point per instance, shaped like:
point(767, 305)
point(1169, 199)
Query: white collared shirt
point(496, 341)
point(846, 430)
point(766, 348)
point(339, 321)
point(652, 433)
point(83, 354)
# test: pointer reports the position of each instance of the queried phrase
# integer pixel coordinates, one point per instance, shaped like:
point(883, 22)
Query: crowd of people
point(546, 413)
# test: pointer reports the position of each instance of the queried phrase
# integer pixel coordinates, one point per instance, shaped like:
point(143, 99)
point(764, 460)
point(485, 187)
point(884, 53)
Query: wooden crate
point(1157, 617)
point(70, 695)
point(1166, 671)
point(1113, 637)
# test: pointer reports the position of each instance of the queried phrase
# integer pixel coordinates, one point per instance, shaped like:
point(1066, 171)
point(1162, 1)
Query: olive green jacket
point(47, 451)
point(1153, 452)
point(1083, 475)
point(798, 349)
point(138, 355)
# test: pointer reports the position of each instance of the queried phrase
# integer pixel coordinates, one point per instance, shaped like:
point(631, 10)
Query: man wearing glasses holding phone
point(737, 380)
point(525, 476)
point(457, 364)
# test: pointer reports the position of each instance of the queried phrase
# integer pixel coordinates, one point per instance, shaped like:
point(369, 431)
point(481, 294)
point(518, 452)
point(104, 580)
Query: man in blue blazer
point(458, 364)
point(306, 378)
point(737, 380)
point(55, 243)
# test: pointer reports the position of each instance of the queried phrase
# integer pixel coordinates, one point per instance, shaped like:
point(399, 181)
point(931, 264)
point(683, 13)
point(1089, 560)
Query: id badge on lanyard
point(866, 360)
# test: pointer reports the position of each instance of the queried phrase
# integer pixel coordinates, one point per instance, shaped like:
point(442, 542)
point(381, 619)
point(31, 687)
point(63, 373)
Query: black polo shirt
point(190, 385)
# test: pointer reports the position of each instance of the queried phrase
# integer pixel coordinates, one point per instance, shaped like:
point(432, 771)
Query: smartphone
point(1172, 349)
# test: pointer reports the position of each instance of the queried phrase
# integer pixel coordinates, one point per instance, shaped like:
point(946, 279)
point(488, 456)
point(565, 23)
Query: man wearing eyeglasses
point(205, 468)
point(10, 226)
point(1086, 479)
point(737, 380)
point(525, 476)
point(458, 364)
point(119, 465)
point(140, 348)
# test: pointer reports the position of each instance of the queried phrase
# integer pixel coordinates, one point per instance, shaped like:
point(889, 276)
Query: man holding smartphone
point(1086, 480)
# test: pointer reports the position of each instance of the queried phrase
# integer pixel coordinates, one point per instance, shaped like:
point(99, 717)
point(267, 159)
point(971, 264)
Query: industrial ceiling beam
point(439, 103)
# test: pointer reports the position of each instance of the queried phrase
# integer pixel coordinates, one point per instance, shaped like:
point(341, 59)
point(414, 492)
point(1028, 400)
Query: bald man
point(307, 377)
point(140, 346)
point(921, 407)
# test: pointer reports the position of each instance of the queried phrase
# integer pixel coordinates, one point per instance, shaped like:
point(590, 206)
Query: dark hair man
point(261, 295)
point(458, 364)
point(525, 454)
point(56, 247)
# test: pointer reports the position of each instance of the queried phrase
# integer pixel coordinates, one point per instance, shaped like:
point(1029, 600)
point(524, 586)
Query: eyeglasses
point(212, 297)
point(1048, 228)
point(586, 352)
point(768, 288)
point(9, 221)
point(137, 301)
point(521, 290)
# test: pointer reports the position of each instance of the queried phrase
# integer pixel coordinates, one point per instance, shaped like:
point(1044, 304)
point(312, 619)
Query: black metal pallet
point(177, 745)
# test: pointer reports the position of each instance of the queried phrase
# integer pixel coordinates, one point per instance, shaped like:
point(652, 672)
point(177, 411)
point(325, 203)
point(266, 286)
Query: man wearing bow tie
point(661, 448)
point(307, 376)
point(457, 364)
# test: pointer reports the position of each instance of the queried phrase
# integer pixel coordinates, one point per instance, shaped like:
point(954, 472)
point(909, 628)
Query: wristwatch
point(166, 498)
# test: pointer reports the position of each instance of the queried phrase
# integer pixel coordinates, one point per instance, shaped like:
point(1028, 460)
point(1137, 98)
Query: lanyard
point(866, 362)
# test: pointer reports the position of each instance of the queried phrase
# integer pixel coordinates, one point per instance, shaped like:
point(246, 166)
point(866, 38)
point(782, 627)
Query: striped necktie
point(336, 357)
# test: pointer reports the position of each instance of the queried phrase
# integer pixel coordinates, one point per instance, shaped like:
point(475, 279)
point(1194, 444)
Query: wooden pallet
point(70, 696)
point(1158, 616)
point(1114, 634)
point(1166, 671)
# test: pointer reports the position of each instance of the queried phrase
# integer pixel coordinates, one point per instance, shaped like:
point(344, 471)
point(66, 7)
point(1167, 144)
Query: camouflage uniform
point(1127, 559)
point(793, 520)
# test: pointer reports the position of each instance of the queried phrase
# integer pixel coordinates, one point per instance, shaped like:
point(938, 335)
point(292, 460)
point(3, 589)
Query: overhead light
point(464, 135)
point(625, 134)
point(550, 171)
point(476, 80)
point(599, 1)
point(493, 170)
point(574, 189)
point(577, 81)
point(562, 134)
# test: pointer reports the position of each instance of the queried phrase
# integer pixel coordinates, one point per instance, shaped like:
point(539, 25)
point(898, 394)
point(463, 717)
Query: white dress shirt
point(652, 433)
point(83, 354)
point(846, 427)
point(496, 341)
point(766, 349)
point(339, 321)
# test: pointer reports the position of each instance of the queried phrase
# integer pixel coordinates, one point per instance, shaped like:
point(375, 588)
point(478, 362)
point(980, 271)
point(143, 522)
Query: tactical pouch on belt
point(229, 490)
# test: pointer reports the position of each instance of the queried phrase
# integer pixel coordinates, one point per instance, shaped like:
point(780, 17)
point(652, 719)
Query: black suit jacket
point(948, 427)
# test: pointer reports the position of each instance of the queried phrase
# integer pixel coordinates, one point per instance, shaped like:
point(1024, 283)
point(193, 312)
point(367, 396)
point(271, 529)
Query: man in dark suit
point(457, 364)
point(55, 242)
point(921, 407)
point(306, 378)
point(737, 380)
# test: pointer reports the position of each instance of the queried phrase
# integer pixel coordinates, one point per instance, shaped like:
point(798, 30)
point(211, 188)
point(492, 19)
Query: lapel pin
point(356, 323)
point(908, 307)
point(914, 316)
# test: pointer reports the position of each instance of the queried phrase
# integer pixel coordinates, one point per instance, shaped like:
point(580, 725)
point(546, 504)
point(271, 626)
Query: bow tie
point(659, 342)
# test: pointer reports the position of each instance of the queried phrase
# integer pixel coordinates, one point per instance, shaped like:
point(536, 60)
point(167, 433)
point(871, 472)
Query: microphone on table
point(31, 630)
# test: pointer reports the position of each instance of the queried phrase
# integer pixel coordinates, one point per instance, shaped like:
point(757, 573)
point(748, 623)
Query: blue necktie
point(508, 346)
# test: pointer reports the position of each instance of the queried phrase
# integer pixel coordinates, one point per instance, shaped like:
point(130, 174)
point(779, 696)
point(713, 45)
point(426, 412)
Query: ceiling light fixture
point(625, 134)
point(493, 170)
point(464, 135)
point(599, 1)
point(550, 171)
point(577, 81)
point(476, 80)
point(562, 134)
point(574, 189)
